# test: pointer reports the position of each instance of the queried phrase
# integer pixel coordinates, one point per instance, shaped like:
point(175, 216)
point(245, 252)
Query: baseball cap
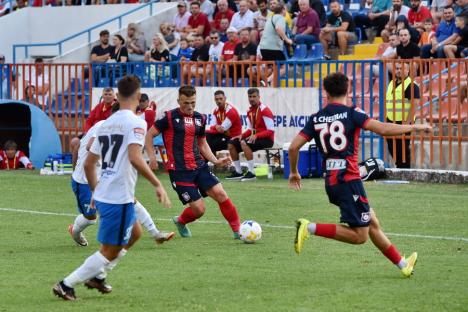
point(181, 4)
point(231, 29)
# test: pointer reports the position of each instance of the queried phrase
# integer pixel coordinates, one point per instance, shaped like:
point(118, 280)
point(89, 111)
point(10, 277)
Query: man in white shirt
point(182, 17)
point(216, 46)
point(119, 143)
point(244, 18)
point(83, 194)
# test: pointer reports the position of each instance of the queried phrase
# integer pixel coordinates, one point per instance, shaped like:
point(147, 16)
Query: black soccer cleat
point(64, 292)
point(99, 284)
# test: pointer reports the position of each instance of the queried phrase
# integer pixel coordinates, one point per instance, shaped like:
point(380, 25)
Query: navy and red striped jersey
point(181, 134)
point(336, 129)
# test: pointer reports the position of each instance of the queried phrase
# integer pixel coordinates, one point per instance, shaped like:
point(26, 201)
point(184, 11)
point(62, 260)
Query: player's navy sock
point(82, 223)
point(325, 230)
point(229, 212)
point(145, 219)
point(92, 266)
point(187, 216)
point(393, 255)
point(237, 165)
point(112, 264)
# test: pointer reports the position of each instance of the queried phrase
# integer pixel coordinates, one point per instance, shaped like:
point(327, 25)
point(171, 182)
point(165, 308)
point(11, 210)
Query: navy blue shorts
point(259, 144)
point(353, 203)
point(83, 198)
point(191, 185)
point(115, 223)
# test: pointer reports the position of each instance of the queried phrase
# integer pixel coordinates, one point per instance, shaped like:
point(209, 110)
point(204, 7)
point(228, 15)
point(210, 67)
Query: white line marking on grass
point(452, 238)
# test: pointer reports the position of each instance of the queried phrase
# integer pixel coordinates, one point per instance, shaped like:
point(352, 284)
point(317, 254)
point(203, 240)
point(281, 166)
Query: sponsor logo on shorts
point(365, 216)
point(186, 196)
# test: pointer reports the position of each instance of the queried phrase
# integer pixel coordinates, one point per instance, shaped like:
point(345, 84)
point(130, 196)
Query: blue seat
point(103, 83)
point(315, 52)
point(148, 83)
point(139, 69)
point(243, 82)
point(359, 36)
point(226, 82)
point(75, 84)
point(300, 52)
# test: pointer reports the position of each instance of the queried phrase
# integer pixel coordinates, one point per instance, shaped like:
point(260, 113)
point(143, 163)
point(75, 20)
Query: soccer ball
point(250, 232)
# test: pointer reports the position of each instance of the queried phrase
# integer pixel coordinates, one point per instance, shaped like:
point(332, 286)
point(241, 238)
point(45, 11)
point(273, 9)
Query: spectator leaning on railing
point(159, 51)
point(119, 52)
point(101, 52)
point(445, 34)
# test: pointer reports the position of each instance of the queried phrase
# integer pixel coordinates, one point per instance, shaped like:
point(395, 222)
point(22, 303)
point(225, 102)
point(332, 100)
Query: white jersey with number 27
point(118, 177)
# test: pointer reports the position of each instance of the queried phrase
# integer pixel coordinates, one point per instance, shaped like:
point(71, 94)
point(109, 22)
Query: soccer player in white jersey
point(82, 193)
point(119, 142)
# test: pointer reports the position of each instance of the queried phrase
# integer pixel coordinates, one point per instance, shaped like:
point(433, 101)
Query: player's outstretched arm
point(205, 150)
point(388, 129)
point(152, 132)
point(90, 170)
point(294, 176)
point(136, 159)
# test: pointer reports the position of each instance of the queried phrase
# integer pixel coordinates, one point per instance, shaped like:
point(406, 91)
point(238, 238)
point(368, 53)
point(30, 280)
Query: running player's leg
point(227, 208)
point(87, 214)
point(115, 230)
point(144, 217)
point(381, 241)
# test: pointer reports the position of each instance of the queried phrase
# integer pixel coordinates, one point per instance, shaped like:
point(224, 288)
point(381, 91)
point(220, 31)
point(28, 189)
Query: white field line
point(434, 237)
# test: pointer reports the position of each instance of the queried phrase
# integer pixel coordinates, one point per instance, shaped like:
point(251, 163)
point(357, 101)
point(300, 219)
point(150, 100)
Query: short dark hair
point(262, 1)
point(428, 20)
point(10, 144)
point(39, 60)
point(104, 32)
point(218, 92)
point(195, 3)
point(336, 84)
point(252, 91)
point(187, 90)
point(128, 85)
point(331, 1)
point(448, 7)
point(29, 87)
point(214, 32)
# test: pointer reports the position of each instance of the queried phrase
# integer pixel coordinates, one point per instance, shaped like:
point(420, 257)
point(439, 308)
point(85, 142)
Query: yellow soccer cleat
point(301, 234)
point(407, 271)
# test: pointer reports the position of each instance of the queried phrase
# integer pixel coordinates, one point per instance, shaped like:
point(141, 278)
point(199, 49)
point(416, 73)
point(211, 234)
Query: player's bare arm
point(205, 150)
point(388, 129)
point(152, 132)
point(136, 159)
point(90, 170)
point(294, 176)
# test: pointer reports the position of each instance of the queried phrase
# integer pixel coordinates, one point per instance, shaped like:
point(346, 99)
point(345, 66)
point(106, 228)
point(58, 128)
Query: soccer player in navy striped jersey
point(336, 129)
point(183, 132)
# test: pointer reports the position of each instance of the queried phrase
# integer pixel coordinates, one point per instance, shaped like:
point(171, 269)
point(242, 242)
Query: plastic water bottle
point(60, 167)
point(270, 172)
point(55, 166)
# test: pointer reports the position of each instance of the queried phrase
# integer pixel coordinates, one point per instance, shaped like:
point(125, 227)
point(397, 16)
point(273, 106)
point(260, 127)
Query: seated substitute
point(260, 135)
point(225, 125)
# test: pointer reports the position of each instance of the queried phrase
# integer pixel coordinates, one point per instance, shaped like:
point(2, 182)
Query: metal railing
point(87, 32)
point(64, 92)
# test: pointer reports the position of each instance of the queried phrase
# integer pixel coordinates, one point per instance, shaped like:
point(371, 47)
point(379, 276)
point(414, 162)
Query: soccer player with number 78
point(336, 130)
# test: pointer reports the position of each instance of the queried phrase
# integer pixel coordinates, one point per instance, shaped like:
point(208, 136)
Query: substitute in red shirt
point(225, 125)
point(11, 158)
point(103, 110)
point(259, 135)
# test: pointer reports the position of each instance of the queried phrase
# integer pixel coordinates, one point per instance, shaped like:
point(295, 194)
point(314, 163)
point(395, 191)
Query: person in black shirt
point(461, 48)
point(339, 29)
point(101, 52)
point(159, 51)
point(200, 54)
point(119, 52)
point(245, 51)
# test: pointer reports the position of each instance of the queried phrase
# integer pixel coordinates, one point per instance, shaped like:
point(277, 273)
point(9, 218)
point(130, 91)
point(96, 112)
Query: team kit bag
point(372, 169)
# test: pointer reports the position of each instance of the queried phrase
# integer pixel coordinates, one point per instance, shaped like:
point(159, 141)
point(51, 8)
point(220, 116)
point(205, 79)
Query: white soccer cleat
point(162, 237)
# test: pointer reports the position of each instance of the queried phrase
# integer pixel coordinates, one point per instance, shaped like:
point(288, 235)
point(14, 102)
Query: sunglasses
point(214, 38)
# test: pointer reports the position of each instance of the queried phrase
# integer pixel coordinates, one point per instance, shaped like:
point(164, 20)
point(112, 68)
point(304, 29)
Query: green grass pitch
point(213, 272)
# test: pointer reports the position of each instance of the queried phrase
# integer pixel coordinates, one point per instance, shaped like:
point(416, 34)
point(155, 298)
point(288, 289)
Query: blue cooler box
point(309, 163)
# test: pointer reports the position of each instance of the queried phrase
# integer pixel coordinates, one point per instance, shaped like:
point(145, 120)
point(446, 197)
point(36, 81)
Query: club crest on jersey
point(139, 133)
point(177, 120)
point(186, 196)
point(197, 122)
point(365, 216)
point(188, 121)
